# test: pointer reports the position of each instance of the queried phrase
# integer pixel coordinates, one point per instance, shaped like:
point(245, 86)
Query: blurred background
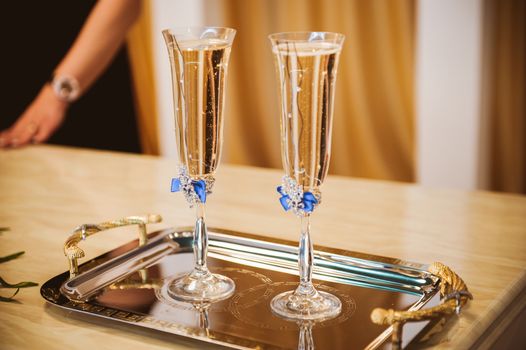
point(428, 91)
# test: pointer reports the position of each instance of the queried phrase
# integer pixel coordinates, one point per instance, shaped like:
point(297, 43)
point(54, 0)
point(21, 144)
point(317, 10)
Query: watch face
point(66, 88)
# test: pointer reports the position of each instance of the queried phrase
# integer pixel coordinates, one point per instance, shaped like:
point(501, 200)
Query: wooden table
point(46, 191)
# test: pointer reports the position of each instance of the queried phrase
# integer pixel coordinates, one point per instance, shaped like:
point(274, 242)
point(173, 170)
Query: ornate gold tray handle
point(453, 292)
point(73, 252)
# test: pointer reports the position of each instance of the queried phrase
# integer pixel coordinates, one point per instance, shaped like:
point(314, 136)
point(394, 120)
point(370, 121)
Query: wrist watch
point(65, 87)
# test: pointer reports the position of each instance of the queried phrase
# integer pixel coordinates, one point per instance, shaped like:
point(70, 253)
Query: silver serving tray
point(126, 285)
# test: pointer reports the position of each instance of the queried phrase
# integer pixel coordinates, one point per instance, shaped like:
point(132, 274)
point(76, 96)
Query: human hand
point(38, 122)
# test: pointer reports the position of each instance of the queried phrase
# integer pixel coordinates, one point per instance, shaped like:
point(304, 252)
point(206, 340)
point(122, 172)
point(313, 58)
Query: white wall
point(449, 35)
point(169, 13)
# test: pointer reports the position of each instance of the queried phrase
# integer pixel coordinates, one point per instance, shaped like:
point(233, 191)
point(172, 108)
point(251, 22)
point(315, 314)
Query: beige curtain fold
point(140, 53)
point(504, 94)
point(374, 114)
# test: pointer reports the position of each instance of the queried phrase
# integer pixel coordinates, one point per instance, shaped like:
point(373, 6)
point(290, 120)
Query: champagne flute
point(199, 62)
point(306, 65)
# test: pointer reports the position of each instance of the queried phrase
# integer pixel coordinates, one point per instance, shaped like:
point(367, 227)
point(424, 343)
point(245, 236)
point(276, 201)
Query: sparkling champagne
point(199, 69)
point(199, 60)
point(307, 76)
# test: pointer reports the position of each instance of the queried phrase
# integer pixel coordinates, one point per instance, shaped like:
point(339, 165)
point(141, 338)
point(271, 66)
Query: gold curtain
point(504, 94)
point(140, 53)
point(374, 108)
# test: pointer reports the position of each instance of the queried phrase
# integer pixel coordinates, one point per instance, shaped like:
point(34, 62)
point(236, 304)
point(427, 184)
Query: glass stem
point(204, 322)
point(306, 340)
point(305, 259)
point(200, 243)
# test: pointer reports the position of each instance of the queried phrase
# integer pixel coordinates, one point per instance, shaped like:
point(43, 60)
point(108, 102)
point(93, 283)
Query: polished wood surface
point(46, 191)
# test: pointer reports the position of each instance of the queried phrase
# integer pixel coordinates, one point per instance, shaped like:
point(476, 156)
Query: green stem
point(9, 299)
point(4, 259)
point(4, 284)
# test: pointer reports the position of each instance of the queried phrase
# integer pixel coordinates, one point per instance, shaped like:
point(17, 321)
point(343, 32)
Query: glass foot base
point(295, 306)
point(199, 287)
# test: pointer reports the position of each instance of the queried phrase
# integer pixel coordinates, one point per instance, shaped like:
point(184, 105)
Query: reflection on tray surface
point(248, 311)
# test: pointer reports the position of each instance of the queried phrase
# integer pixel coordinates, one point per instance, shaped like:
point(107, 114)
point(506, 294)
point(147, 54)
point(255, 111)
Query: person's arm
point(97, 43)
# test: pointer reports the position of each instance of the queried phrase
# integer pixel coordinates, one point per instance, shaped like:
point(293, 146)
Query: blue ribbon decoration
point(308, 200)
point(198, 185)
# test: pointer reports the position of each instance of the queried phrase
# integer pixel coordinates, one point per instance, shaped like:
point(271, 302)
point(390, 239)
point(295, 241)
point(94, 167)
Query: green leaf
point(4, 259)
point(9, 299)
point(4, 284)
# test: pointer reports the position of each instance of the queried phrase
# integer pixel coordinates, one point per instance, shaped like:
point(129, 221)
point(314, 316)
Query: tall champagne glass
point(306, 65)
point(199, 61)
